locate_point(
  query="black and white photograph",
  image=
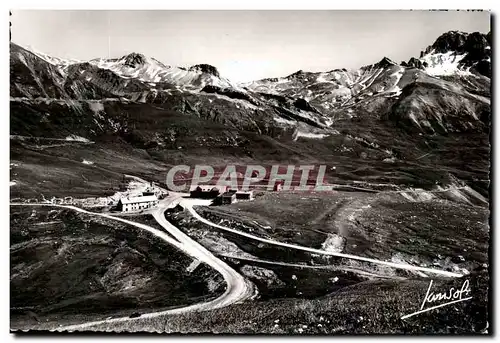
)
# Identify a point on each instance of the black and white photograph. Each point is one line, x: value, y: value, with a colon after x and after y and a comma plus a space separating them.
x: 250, y: 172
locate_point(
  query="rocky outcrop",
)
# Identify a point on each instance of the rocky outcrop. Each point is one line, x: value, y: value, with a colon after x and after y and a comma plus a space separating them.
x: 449, y: 41
x: 134, y: 59
x: 415, y: 63
x: 205, y: 68
x: 475, y: 46
x: 304, y: 105
x: 385, y: 62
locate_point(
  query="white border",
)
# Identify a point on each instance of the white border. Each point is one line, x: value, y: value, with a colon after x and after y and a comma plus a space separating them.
x: 255, y: 4
x: 191, y: 4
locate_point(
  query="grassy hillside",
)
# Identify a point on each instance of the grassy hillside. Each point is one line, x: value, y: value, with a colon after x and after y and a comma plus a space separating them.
x: 70, y: 265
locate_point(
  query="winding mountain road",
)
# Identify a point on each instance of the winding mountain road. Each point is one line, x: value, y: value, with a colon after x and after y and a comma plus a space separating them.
x: 195, y: 214
x: 238, y: 288
x: 320, y: 267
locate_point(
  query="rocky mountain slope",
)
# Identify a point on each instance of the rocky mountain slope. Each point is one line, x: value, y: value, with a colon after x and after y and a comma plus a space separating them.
x: 428, y: 117
x: 316, y: 99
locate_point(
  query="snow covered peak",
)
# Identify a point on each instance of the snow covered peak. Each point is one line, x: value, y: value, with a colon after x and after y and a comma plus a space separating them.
x: 147, y: 69
x: 50, y: 59
x: 386, y: 62
x: 132, y: 66
x: 458, y: 53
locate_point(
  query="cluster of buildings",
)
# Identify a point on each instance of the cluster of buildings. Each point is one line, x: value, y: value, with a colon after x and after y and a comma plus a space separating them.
x: 232, y: 196
x: 223, y: 195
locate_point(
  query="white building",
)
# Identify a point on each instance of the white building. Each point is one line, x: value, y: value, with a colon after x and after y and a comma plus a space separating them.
x: 137, y: 203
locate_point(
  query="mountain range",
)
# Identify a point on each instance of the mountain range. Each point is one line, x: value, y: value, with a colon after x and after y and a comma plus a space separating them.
x: 416, y: 123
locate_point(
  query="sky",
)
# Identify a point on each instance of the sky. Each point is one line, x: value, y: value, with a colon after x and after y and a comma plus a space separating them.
x: 243, y: 45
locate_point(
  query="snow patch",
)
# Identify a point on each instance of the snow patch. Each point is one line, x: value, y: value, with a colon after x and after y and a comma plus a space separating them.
x: 284, y: 121
x: 321, y: 78
x: 77, y: 139
x: 417, y: 195
x: 311, y: 135
x: 444, y: 64
x: 96, y: 106
x: 414, y: 119
x: 22, y: 59
x: 237, y: 102
x: 333, y: 243
x: 396, y: 89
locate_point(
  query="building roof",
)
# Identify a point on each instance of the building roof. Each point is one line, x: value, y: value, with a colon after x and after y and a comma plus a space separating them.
x: 135, y: 200
x: 244, y: 192
x: 228, y: 194
x: 207, y: 188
